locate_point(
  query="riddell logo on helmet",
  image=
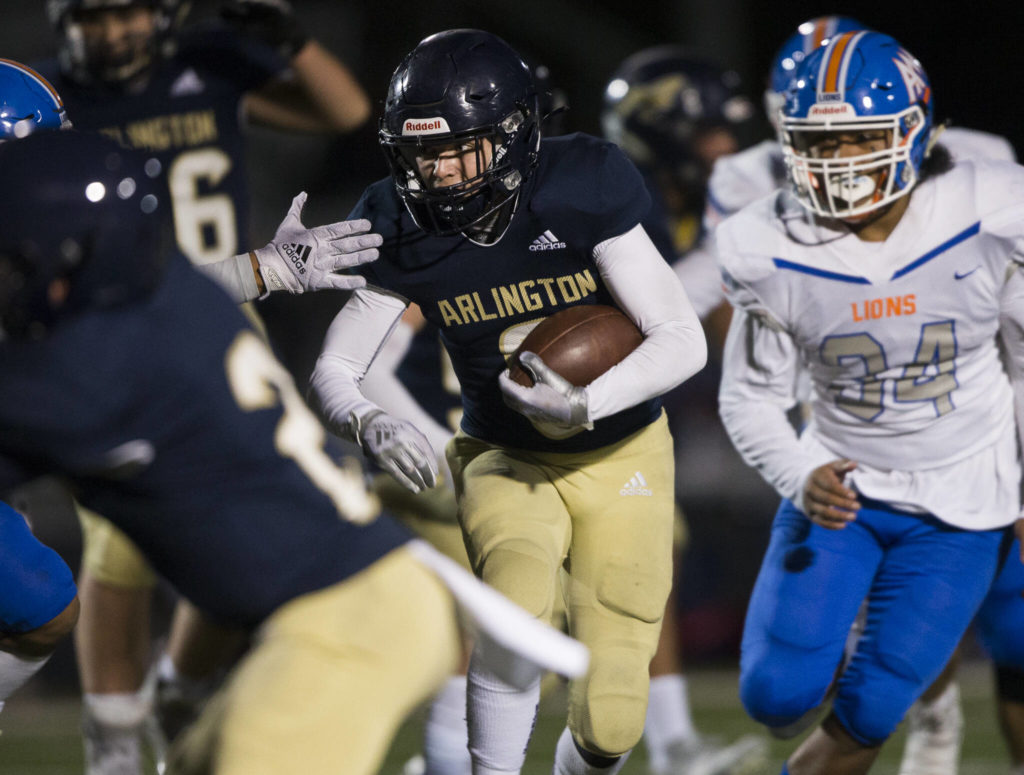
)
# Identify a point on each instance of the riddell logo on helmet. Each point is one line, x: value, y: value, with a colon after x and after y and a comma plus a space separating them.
x: 425, y: 126
x: 844, y: 109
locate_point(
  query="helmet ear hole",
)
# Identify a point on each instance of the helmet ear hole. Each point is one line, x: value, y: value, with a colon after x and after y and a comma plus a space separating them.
x: 458, y: 88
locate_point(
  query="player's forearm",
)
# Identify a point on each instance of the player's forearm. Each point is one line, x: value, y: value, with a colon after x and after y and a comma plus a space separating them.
x: 674, y: 347
x: 757, y: 388
x: 330, y: 88
x: 350, y: 346
x: 238, y: 276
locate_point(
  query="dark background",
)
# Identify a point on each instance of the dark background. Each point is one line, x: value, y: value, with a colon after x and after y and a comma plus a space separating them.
x: 972, y: 53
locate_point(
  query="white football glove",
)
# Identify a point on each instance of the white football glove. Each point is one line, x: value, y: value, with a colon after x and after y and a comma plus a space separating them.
x: 300, y: 259
x: 399, y: 448
x: 551, y: 399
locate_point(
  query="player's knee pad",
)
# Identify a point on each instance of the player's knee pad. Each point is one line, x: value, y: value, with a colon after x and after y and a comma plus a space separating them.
x: 779, y: 684
x: 609, y: 706
x: 634, y: 592
x: 36, y: 583
x: 523, y: 573
x: 874, y: 696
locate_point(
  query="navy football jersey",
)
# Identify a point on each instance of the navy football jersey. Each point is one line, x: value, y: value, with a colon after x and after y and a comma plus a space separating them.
x: 166, y: 417
x: 484, y: 299
x: 187, y: 117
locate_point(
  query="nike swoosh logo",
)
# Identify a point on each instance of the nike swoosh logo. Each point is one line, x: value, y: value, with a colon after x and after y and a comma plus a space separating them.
x: 959, y: 276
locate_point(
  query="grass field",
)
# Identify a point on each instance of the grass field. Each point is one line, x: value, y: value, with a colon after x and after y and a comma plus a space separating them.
x: 40, y: 737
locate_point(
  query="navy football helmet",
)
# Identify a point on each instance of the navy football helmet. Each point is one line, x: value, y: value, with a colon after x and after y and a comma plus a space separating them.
x: 87, y: 64
x: 86, y: 229
x: 468, y: 92
x: 859, y: 82
x: 660, y: 100
x: 810, y: 35
x: 27, y: 102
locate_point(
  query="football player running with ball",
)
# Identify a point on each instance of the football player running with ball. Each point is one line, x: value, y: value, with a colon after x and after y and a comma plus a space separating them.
x: 891, y: 275
x: 489, y: 229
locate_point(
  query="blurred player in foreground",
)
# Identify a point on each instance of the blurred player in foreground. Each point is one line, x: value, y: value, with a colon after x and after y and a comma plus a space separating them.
x: 890, y: 275
x: 143, y: 385
x: 674, y: 114
x: 936, y: 720
x: 131, y: 70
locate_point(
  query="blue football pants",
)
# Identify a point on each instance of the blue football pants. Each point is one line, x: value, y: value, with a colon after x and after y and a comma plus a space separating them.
x: 923, y: 581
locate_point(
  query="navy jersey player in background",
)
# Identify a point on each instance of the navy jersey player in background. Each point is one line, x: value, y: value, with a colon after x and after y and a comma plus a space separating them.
x: 901, y: 488
x: 674, y: 113
x: 143, y: 385
x: 129, y: 69
x: 488, y: 229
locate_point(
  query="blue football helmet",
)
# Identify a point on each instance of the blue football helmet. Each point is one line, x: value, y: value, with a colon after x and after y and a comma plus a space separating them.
x: 659, y: 101
x: 89, y: 220
x: 27, y: 102
x: 466, y: 90
x: 810, y: 35
x: 86, y: 64
x: 859, y: 82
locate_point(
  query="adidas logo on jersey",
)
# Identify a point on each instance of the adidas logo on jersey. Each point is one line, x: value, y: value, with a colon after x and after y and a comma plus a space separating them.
x: 636, y: 485
x: 187, y: 83
x: 546, y: 241
x: 297, y: 254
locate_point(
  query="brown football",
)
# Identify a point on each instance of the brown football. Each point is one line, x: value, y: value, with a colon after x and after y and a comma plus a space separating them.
x: 580, y: 343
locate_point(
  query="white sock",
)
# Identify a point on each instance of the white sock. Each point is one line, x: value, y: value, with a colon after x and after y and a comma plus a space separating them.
x: 569, y: 760
x: 15, y: 670
x: 122, y: 710
x: 500, y: 720
x: 668, y: 718
x: 445, y: 737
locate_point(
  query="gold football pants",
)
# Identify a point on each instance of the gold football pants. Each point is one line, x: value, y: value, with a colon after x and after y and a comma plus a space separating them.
x: 331, y: 677
x: 606, y: 518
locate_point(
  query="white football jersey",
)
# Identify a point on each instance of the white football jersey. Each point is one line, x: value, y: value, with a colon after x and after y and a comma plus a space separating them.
x: 898, y: 337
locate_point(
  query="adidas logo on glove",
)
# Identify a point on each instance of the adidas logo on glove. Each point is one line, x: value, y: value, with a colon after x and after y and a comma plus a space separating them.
x: 297, y: 254
x: 636, y: 485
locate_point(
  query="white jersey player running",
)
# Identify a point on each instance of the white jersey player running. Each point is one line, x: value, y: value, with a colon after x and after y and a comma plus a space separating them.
x: 935, y: 724
x: 901, y: 486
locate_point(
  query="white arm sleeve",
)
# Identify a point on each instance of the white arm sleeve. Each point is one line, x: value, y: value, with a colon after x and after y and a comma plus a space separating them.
x: 381, y: 385
x: 235, y: 276
x: 698, y: 271
x: 352, y: 342
x: 760, y: 366
x: 674, y: 347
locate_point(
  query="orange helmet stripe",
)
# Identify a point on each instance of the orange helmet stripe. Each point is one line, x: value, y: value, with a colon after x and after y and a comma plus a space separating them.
x: 837, y: 51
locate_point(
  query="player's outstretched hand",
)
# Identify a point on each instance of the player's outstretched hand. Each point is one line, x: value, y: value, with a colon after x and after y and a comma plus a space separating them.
x: 399, y: 448
x: 552, y: 397
x: 300, y: 259
x: 827, y: 501
x: 271, y: 22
